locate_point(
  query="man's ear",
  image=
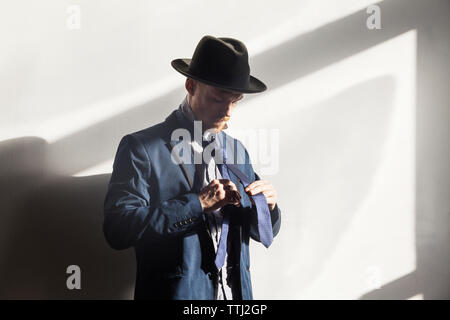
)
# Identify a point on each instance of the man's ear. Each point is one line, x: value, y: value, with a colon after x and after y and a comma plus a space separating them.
x: 190, y: 85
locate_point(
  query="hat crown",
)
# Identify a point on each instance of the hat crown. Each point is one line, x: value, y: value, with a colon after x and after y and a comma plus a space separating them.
x: 221, y: 60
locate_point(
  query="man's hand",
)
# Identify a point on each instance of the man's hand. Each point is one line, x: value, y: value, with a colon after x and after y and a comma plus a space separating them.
x: 266, y: 188
x: 218, y: 193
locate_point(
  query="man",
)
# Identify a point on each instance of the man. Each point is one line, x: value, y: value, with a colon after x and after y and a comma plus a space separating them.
x: 190, y: 221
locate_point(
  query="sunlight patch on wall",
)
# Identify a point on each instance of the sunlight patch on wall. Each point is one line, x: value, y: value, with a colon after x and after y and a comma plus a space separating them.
x: 101, y: 168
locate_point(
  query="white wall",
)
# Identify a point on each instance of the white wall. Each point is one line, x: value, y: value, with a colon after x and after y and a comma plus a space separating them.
x: 362, y: 118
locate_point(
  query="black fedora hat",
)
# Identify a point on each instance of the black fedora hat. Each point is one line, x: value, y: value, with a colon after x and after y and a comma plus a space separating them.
x: 222, y: 63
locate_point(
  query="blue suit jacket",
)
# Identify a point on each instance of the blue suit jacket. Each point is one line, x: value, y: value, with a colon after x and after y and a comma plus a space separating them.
x: 150, y: 205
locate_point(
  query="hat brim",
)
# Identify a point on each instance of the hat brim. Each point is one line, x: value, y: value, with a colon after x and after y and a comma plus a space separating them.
x: 254, y: 85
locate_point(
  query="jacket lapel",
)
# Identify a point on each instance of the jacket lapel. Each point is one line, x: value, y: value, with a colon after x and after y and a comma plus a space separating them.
x: 188, y: 169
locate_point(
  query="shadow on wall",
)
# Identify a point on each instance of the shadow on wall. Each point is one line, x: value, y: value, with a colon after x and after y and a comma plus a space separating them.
x: 49, y: 222
x: 400, y: 289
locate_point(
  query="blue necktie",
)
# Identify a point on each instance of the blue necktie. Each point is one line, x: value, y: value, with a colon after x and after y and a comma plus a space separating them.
x: 263, y: 213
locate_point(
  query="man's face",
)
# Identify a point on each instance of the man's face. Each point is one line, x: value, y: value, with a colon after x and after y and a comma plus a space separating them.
x: 212, y: 105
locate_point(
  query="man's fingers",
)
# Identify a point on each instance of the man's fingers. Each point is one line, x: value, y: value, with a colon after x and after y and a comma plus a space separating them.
x: 230, y: 188
x: 255, y: 184
x: 269, y: 193
x: 218, y: 193
x: 221, y: 194
x: 224, y: 190
x: 234, y: 197
x: 234, y: 194
x: 227, y: 182
x: 258, y: 189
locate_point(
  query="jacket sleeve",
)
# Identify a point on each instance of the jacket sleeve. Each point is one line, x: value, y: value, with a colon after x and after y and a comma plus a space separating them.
x: 129, y: 213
